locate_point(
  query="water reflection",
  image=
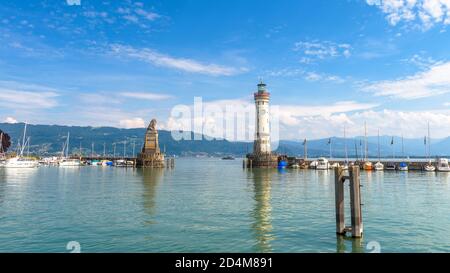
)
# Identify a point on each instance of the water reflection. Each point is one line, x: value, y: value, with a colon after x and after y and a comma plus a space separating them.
x: 150, y: 180
x: 17, y: 175
x: 343, y: 241
x: 262, y: 212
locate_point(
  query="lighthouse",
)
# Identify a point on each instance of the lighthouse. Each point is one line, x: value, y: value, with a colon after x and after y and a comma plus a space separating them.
x: 262, y: 156
x: 262, y: 133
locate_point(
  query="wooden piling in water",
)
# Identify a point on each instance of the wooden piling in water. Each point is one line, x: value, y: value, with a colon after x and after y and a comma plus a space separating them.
x: 339, y: 199
x: 355, y: 201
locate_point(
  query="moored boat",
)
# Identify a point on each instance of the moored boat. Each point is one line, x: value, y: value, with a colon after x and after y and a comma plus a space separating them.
x: 429, y: 167
x: 379, y: 166
x: 403, y: 166
x: 322, y: 164
x: 443, y: 165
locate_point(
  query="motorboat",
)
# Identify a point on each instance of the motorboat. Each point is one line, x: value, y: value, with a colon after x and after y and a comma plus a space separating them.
x: 391, y: 166
x: 379, y: 166
x: 403, y: 166
x: 67, y: 162
x: 442, y: 165
x: 322, y: 164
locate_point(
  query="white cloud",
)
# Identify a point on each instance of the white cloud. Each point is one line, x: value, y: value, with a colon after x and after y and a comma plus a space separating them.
x: 187, y: 65
x: 307, y: 75
x: 421, y: 61
x: 291, y: 117
x: 145, y: 96
x: 432, y: 82
x: 132, y: 123
x: 321, y: 50
x: 10, y: 120
x: 426, y: 12
x: 412, y: 124
x: 15, y: 95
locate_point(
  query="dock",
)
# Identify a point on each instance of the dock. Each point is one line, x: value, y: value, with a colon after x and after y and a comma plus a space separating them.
x: 413, y: 165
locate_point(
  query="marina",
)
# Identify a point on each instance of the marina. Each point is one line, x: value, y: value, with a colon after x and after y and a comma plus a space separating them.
x: 178, y: 210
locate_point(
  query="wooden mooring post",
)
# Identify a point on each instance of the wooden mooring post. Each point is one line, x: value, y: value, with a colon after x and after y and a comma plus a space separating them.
x: 356, y: 227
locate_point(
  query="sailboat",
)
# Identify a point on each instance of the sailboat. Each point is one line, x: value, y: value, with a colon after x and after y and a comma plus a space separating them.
x: 20, y: 161
x: 345, y: 166
x: 428, y: 167
x: 403, y: 166
x: 66, y: 161
x: 367, y: 164
x: 379, y: 166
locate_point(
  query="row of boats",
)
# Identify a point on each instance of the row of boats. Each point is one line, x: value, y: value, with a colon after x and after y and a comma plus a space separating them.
x: 21, y: 161
x: 26, y: 162
x: 323, y: 164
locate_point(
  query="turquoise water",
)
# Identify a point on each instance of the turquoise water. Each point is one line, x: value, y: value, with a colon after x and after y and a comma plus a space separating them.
x: 210, y: 205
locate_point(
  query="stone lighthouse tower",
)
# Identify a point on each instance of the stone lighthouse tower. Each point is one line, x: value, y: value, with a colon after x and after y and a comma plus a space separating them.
x: 262, y: 134
x: 262, y: 155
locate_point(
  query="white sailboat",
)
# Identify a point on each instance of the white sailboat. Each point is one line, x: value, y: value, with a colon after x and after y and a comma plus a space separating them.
x: 379, y: 166
x: 429, y: 167
x: 345, y: 165
x: 20, y: 161
x: 66, y: 161
x: 367, y: 164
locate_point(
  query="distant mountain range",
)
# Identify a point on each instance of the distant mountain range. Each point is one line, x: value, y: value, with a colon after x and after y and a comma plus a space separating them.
x: 49, y: 139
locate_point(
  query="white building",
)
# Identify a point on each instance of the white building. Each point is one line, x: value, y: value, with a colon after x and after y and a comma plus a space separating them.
x: 262, y: 136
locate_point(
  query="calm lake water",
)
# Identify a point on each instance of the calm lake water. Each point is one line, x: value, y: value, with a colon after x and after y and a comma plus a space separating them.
x: 210, y: 205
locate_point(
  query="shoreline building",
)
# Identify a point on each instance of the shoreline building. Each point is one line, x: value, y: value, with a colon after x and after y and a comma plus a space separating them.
x: 150, y: 155
x: 262, y: 155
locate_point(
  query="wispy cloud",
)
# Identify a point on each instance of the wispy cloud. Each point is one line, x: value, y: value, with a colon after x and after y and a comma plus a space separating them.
x: 183, y: 64
x: 321, y: 50
x: 426, y: 12
x: 132, y: 123
x: 306, y: 75
x: 15, y: 95
x: 146, y: 95
x: 432, y: 82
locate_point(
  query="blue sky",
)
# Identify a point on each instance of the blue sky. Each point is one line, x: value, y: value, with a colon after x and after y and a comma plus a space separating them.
x: 326, y: 63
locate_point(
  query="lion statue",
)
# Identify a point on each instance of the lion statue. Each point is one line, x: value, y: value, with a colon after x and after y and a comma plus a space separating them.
x: 152, y: 125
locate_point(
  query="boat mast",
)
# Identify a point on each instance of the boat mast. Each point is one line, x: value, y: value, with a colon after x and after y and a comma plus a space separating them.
x: 356, y: 150
x: 23, y: 140
x: 429, y: 142
x: 379, y: 154
x: 104, y: 149
x: 28, y: 146
x: 305, y: 149
x: 345, y: 146
x: 329, y: 143
x: 365, y: 143
x: 67, y: 149
x: 403, y: 148
x: 124, y: 148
